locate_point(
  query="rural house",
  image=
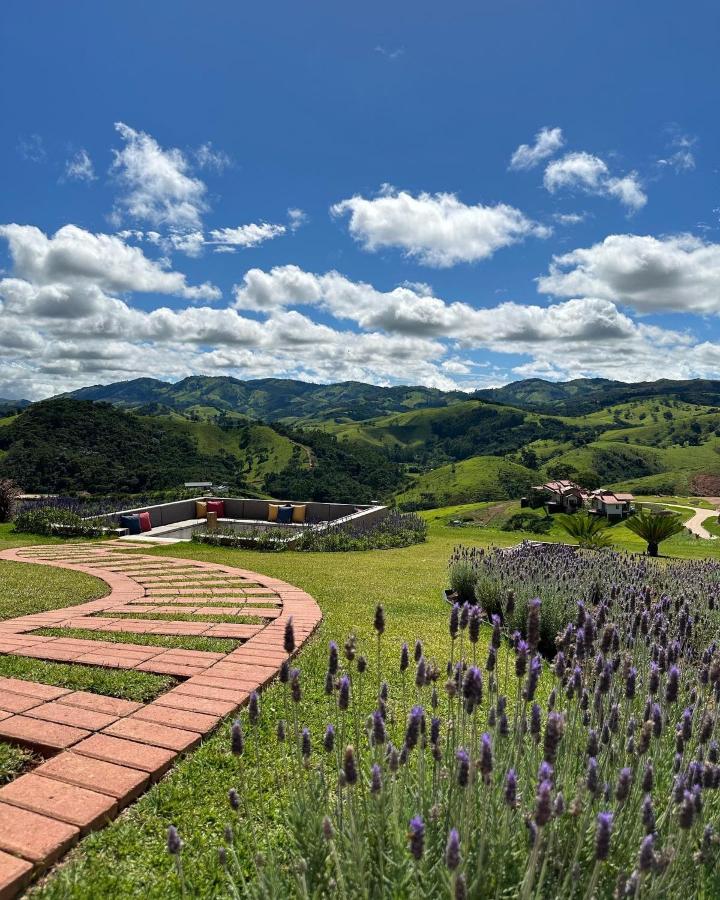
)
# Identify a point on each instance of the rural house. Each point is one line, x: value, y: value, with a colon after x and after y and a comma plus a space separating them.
x: 611, y: 504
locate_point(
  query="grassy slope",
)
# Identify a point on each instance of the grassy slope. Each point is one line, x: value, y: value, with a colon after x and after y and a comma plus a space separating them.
x: 477, y: 478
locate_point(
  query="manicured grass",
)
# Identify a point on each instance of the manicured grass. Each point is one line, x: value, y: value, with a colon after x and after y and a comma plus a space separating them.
x: 124, y: 683
x: 27, y: 588
x: 12, y: 761
x: 179, y: 642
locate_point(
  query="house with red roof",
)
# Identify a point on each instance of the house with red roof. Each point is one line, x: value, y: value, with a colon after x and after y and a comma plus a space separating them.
x: 611, y: 504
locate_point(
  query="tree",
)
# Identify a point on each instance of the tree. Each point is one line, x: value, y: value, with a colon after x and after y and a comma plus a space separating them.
x: 654, y: 528
x: 590, y: 532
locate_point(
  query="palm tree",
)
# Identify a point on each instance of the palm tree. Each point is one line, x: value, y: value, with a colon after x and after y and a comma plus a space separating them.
x: 590, y: 533
x: 654, y: 528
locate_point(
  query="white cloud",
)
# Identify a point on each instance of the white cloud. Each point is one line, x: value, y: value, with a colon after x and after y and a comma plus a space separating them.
x: 246, y: 235
x: 437, y: 229
x: 297, y: 218
x: 678, y: 273
x: 681, y: 157
x: 584, y: 172
x: 569, y: 218
x: 547, y: 142
x: 209, y: 158
x: 80, y: 167
x: 76, y: 260
x: 157, y: 183
x: 32, y: 148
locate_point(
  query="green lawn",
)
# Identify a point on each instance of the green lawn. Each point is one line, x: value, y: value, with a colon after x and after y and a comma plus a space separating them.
x: 129, y: 858
x: 177, y: 642
x: 27, y: 588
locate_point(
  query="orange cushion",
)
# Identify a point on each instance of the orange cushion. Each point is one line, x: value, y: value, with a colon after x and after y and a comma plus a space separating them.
x: 145, y: 523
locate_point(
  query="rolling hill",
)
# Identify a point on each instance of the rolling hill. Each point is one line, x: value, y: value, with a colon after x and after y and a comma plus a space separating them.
x: 267, y: 399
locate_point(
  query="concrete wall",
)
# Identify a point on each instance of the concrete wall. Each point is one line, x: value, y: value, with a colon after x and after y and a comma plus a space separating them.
x: 250, y: 509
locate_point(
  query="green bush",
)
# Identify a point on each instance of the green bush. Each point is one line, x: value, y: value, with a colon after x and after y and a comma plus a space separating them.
x: 528, y: 521
x: 45, y: 519
x: 462, y: 580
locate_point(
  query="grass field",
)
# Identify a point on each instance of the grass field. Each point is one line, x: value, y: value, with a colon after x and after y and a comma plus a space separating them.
x: 129, y: 858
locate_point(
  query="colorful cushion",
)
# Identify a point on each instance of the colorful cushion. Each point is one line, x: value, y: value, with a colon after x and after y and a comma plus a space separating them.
x: 273, y: 512
x: 298, y: 512
x: 131, y: 522
x: 284, y: 514
x: 145, y: 523
x: 217, y: 506
x: 200, y: 509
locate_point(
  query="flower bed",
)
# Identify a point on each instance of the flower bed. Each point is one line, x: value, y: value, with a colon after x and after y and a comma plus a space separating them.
x: 499, y: 774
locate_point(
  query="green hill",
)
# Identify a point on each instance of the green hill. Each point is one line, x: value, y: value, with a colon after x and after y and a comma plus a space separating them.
x: 472, y: 480
x: 268, y: 399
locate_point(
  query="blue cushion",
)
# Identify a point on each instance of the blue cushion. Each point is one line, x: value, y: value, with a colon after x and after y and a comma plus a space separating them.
x: 284, y: 515
x: 132, y: 523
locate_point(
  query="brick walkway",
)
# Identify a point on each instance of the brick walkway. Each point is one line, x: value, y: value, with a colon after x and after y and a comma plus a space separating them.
x: 101, y: 753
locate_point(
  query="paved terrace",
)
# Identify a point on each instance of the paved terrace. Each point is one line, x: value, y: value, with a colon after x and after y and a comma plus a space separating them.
x: 101, y: 753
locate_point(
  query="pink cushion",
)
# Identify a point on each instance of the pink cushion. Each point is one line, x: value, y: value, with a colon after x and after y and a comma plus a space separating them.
x: 145, y: 523
x: 217, y: 506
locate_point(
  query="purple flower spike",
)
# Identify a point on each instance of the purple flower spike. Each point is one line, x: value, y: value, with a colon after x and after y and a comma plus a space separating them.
x: 486, y: 757
x: 602, y: 835
x: 379, y: 620
x: 511, y: 788
x: 416, y: 837
x: 404, y: 658
x: 305, y: 743
x: 463, y: 760
x: 454, y: 621
x: 673, y: 682
x: 237, y: 739
x: 333, y: 658
x: 329, y: 739
x: 289, y: 636
x: 452, y: 850
x: 543, y: 806
x: 350, y: 766
x: 174, y: 844
x: 375, y: 779
x: 378, y: 728
x: 344, y: 693
x: 254, y: 708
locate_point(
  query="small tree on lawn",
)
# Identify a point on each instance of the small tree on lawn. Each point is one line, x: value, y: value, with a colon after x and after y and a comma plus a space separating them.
x: 654, y: 528
x: 590, y: 533
x: 9, y: 493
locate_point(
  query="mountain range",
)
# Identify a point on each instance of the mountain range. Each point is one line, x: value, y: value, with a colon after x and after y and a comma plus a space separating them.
x: 420, y: 447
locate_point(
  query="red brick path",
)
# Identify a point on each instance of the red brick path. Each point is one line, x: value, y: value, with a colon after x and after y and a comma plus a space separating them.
x: 101, y: 753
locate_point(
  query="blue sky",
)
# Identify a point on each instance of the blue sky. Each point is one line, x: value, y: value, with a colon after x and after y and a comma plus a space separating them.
x: 458, y: 195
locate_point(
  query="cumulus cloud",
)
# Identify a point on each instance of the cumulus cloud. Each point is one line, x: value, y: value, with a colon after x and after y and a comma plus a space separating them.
x: 437, y: 229
x: 73, y: 260
x: 678, y: 273
x: 581, y: 171
x: 547, y: 142
x: 80, y: 167
x: 157, y: 183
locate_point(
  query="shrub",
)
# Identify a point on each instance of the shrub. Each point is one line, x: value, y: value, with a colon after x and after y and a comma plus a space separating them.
x: 528, y: 521
x: 9, y: 494
x: 597, y: 776
x: 462, y: 580
x: 46, y: 519
x: 395, y: 530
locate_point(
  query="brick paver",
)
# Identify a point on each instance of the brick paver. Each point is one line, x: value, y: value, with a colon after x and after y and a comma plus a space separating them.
x: 103, y: 752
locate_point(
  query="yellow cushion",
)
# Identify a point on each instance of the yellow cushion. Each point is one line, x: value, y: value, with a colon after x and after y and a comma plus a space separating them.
x: 298, y: 514
x: 200, y: 509
x: 272, y: 511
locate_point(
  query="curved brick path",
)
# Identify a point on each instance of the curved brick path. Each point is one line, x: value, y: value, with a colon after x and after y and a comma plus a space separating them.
x: 101, y: 753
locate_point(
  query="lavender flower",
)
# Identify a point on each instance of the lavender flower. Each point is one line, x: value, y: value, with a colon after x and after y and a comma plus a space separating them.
x: 452, y: 850
x: 454, y: 620
x: 463, y: 774
x: 237, y: 739
x: 510, y: 794
x: 672, y: 685
x: 646, y: 857
x: 305, y: 744
x: 404, y: 658
x: 416, y: 837
x: 416, y: 720
x: 379, y: 620
x: 533, y: 624
x: 648, y: 815
x: 543, y: 805
x: 254, y: 708
x: 349, y: 766
x: 344, y: 693
x: 289, y: 636
x: 602, y: 835
x: 329, y: 739
x: 472, y: 688
x: 378, y: 729
x: 486, y: 757
x: 174, y: 844
x: 474, y: 625
x: 333, y: 661
x: 375, y: 779
x: 622, y: 791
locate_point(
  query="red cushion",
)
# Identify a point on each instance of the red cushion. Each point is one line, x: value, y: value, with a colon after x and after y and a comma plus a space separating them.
x: 217, y: 506
x: 145, y: 523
